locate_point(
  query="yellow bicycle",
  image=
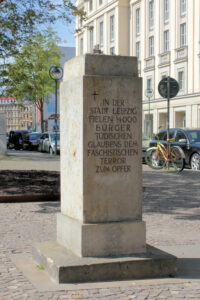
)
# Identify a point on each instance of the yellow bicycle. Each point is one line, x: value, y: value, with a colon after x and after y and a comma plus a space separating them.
x: 160, y: 156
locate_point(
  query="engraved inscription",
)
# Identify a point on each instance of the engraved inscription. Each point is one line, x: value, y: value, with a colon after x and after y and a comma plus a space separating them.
x: 114, y: 142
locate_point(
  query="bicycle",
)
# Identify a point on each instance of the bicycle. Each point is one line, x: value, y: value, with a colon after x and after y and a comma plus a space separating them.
x: 160, y: 156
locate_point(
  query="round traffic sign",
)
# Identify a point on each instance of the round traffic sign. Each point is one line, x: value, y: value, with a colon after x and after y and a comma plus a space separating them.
x: 173, y: 87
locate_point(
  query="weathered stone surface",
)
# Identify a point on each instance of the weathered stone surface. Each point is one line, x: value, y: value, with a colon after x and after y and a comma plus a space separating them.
x: 65, y: 267
x: 99, y: 239
x: 100, y: 158
x: 3, y: 143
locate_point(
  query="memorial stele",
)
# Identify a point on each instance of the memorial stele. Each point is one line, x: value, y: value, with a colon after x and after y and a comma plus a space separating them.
x: 100, y: 225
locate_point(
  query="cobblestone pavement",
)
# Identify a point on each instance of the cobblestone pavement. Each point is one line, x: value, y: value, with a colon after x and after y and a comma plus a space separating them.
x: 172, y: 214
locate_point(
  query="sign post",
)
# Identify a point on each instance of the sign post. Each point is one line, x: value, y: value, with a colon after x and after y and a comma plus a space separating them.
x: 149, y: 94
x: 168, y: 88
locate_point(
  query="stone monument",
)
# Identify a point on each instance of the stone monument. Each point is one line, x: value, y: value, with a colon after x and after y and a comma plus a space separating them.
x: 3, y: 142
x: 100, y: 231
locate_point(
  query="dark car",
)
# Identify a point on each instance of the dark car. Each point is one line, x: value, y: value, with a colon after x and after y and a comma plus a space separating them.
x: 31, y: 140
x: 15, y: 139
x: 187, y: 139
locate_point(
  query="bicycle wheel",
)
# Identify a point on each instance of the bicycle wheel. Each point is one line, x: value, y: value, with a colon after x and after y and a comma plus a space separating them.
x: 154, y: 158
x: 177, y: 158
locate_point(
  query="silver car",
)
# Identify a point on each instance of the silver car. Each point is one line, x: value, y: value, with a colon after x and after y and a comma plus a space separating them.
x: 47, y: 142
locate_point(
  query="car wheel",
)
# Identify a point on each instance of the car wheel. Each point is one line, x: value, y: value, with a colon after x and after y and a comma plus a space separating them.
x: 51, y: 151
x: 195, y: 162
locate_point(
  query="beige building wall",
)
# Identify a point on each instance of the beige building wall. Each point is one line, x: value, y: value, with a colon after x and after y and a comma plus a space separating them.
x: 178, y: 58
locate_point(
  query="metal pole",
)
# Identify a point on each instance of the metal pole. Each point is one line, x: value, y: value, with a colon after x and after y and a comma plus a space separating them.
x: 149, y: 132
x: 56, y: 83
x: 168, y: 111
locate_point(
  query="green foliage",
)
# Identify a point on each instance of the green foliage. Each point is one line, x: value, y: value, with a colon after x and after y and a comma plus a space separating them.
x: 40, y: 267
x: 28, y: 77
x: 20, y: 20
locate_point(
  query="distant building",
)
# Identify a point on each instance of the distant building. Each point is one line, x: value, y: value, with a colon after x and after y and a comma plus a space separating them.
x: 49, y: 105
x: 165, y: 37
x: 18, y: 115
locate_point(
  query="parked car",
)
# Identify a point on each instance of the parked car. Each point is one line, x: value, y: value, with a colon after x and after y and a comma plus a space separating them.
x: 187, y: 139
x: 15, y: 139
x: 31, y: 140
x: 47, y: 142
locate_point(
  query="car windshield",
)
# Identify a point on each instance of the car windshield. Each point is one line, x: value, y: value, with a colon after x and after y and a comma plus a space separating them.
x: 53, y: 136
x: 194, y: 136
x: 35, y: 136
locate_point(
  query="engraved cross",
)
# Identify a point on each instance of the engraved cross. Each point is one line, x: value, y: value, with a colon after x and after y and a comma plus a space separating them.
x: 95, y: 94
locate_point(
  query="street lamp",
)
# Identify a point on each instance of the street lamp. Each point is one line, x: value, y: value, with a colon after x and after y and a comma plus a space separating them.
x: 56, y: 73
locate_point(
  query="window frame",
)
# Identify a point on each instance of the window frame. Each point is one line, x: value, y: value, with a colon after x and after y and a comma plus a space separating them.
x: 138, y: 50
x: 183, y: 4
x: 166, y: 40
x: 101, y: 33
x: 183, y: 34
x: 181, y: 81
x: 137, y: 19
x: 151, y: 14
x: 151, y: 46
x: 166, y: 11
x: 112, y: 28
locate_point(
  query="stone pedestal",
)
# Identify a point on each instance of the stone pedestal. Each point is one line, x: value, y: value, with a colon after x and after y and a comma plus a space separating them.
x: 3, y: 142
x: 101, y: 168
x: 101, y: 183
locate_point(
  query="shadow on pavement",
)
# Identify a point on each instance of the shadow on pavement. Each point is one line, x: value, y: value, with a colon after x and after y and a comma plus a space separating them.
x: 172, y: 193
x: 48, y: 208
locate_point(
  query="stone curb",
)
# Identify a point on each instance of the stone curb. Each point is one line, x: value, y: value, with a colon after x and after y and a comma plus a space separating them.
x: 29, y: 198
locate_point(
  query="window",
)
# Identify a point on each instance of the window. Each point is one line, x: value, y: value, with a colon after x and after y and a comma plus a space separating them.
x: 137, y: 21
x: 138, y: 50
x: 166, y: 11
x: 151, y: 14
x: 183, y: 35
x: 166, y: 40
x: 112, y: 31
x: 151, y: 46
x: 149, y: 84
x: 181, y: 80
x: 81, y: 46
x: 91, y: 40
x: 180, y: 135
x: 90, y: 5
x: 101, y: 33
x: 183, y: 7
x: 112, y: 50
x: 100, y: 2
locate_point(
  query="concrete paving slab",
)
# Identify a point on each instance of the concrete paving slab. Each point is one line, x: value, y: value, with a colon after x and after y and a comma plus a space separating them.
x: 65, y: 267
x: 188, y: 259
x: 42, y: 282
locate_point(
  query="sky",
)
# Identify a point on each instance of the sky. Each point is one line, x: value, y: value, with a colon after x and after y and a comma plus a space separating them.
x: 66, y: 33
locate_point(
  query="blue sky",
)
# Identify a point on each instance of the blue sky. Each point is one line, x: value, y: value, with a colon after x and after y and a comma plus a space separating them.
x: 66, y: 32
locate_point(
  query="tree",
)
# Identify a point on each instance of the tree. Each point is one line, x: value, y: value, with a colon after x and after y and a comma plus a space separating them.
x: 28, y: 77
x: 20, y: 20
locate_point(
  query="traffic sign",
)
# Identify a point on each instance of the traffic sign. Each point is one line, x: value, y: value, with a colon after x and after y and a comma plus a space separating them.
x: 148, y: 93
x: 173, y: 87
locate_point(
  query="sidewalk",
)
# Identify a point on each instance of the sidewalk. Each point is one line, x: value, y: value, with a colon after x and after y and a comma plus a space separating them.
x: 171, y: 209
x: 23, y: 160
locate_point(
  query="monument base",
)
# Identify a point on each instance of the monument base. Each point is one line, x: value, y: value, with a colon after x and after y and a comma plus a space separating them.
x: 101, y: 239
x: 65, y: 267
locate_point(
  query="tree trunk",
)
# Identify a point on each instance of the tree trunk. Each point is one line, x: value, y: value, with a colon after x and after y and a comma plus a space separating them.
x: 42, y: 114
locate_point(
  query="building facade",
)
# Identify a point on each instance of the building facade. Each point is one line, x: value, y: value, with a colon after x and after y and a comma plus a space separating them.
x: 18, y: 115
x: 165, y: 36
